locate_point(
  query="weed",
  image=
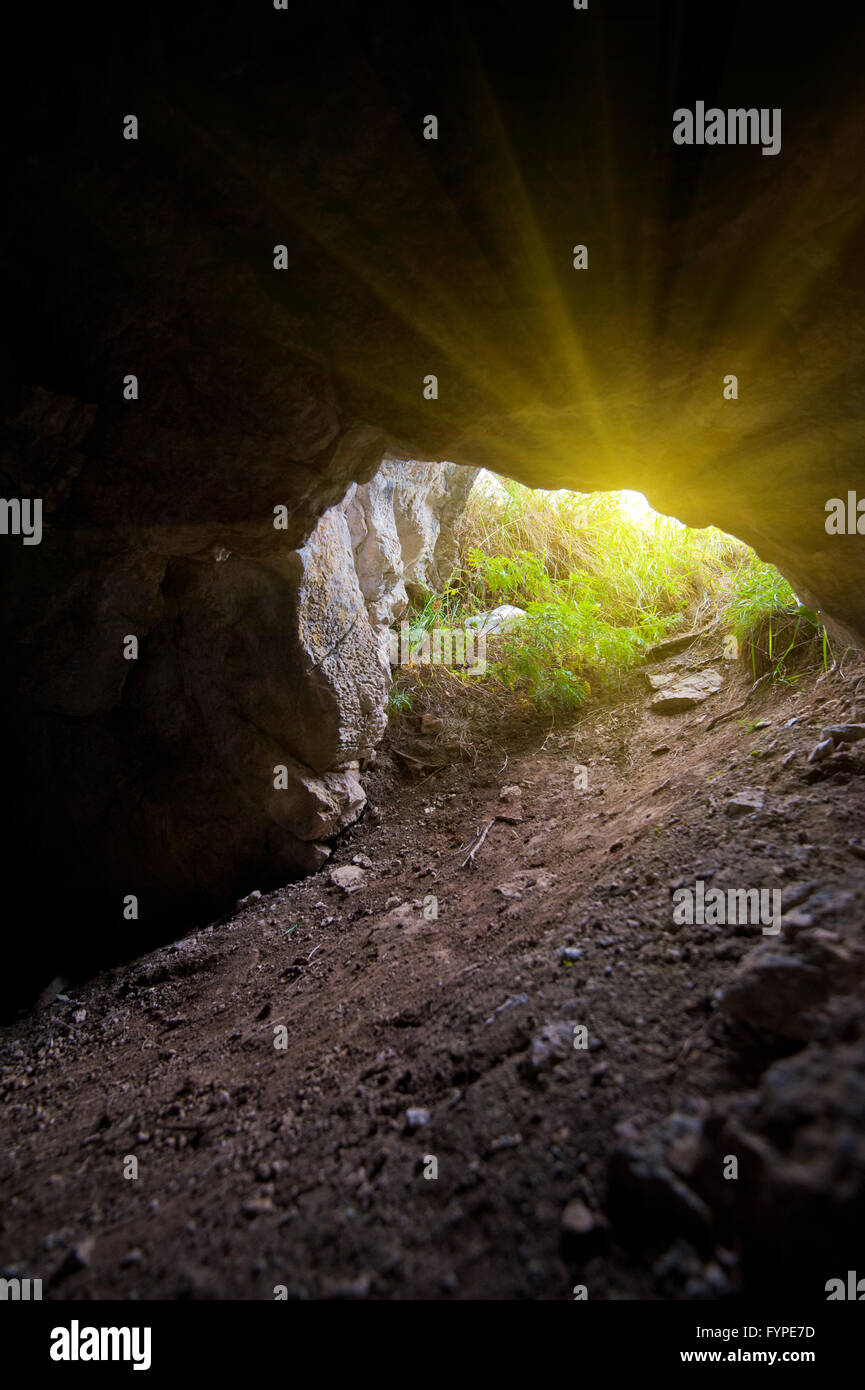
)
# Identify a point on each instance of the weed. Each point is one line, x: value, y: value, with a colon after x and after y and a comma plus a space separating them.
x: 398, y: 701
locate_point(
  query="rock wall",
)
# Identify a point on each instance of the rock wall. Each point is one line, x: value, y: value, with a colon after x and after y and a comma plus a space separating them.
x: 226, y: 754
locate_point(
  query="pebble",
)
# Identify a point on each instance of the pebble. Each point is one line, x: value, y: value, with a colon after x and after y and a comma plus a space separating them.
x: 821, y: 751
x: 505, y: 1141
x: 417, y: 1117
x: 250, y: 898
x: 257, y: 1206
x: 347, y: 877
x: 580, y: 1226
x: 552, y: 1044
x: 745, y: 802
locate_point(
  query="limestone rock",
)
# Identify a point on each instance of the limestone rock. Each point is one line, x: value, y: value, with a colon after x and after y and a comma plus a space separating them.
x: 680, y: 692
x: 499, y: 620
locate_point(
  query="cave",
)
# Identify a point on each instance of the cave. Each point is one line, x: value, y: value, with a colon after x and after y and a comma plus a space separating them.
x: 278, y: 285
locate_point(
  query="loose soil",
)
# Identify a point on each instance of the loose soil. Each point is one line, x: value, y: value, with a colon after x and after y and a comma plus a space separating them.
x: 262, y: 1166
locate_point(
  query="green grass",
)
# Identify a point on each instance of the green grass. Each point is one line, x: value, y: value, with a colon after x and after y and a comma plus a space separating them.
x: 600, y: 587
x: 774, y: 628
x: 398, y: 701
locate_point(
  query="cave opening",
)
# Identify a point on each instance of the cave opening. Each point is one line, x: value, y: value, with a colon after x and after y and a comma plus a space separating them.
x: 569, y: 912
x: 576, y: 588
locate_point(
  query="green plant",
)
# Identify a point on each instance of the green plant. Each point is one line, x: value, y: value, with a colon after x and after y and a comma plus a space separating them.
x: 398, y: 701
x: 550, y: 654
x: 767, y: 618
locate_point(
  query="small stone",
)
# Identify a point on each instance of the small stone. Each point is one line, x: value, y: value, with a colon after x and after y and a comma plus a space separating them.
x: 348, y: 877
x: 570, y: 953
x: 250, y: 898
x: 512, y: 793
x: 417, y: 1117
x: 363, y: 861
x: 580, y: 1226
x: 509, y: 890
x: 257, y: 1206
x: 745, y: 802
x: 505, y: 1141
x: 552, y: 1044
x: 821, y: 751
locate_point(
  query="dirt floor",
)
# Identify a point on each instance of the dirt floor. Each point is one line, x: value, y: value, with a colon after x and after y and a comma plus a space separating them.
x: 432, y: 1127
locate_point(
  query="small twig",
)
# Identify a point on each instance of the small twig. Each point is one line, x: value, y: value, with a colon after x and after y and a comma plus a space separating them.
x: 479, y: 839
x: 736, y: 708
x: 435, y: 772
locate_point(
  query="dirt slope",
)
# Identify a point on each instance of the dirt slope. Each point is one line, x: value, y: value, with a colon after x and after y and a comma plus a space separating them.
x: 557, y: 1165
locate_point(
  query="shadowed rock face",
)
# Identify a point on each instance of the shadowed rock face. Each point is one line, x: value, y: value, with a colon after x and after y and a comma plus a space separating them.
x: 228, y: 751
x: 406, y: 258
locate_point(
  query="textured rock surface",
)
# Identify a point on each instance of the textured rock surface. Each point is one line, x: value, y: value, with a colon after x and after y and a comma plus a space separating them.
x: 228, y: 752
x: 402, y: 530
x: 681, y: 691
